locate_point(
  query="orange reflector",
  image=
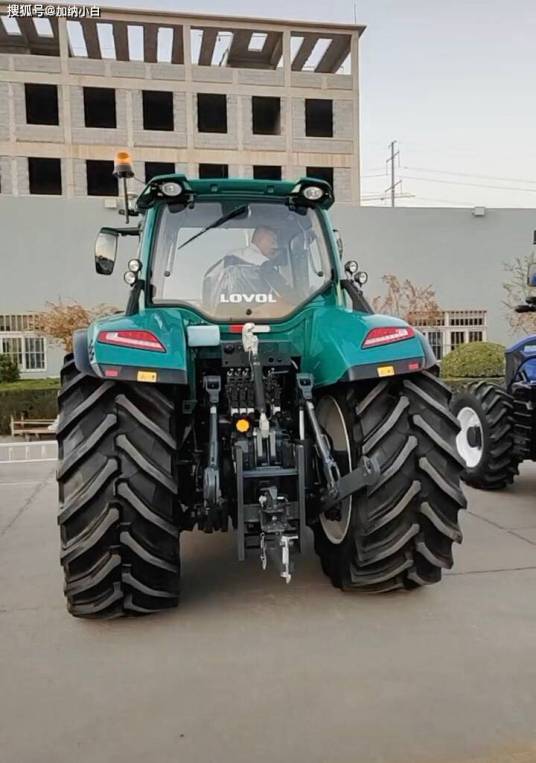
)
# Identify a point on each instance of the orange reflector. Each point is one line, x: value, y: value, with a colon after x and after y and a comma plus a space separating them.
x: 242, y: 425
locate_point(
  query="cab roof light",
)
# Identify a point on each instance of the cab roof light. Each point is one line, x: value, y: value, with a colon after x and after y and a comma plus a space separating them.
x: 387, y: 335
x: 312, y: 191
x: 173, y: 188
x: 136, y: 340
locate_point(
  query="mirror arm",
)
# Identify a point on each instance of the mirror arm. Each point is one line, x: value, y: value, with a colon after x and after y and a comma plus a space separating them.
x: 359, y: 302
x: 133, y: 304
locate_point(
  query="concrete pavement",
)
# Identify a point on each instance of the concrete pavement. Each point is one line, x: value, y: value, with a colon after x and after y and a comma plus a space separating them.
x: 250, y: 670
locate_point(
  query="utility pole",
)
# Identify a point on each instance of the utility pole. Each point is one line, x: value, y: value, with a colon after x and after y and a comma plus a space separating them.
x: 394, y: 152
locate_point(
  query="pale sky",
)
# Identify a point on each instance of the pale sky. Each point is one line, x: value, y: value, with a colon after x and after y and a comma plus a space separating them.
x: 452, y: 80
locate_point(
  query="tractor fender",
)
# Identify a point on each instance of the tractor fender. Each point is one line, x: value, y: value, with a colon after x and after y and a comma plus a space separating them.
x: 431, y: 363
x: 521, y: 361
x: 81, y: 353
x: 126, y: 363
x: 336, y: 352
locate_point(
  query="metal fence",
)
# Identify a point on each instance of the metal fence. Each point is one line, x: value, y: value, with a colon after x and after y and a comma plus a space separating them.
x: 451, y: 328
x: 28, y: 452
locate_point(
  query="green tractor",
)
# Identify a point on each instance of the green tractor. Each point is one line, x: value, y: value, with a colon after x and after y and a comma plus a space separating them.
x: 248, y: 383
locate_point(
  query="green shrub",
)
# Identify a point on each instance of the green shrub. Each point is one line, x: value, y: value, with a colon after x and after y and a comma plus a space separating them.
x: 474, y: 360
x: 9, y: 370
x: 35, y: 399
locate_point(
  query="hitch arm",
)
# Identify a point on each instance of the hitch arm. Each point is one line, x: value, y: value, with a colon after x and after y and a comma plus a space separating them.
x: 337, y: 488
x: 329, y: 465
x: 364, y: 475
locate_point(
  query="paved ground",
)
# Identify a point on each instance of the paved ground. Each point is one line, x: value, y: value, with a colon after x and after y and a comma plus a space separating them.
x: 249, y: 670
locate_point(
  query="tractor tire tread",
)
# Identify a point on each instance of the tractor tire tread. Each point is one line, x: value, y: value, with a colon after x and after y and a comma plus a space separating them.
x: 402, y: 528
x: 119, y: 515
x: 493, y: 404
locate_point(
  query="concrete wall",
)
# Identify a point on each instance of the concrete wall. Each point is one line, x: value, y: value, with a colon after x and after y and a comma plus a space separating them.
x: 460, y: 255
x: 46, y: 253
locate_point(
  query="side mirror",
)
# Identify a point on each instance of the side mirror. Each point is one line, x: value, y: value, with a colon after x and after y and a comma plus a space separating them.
x: 531, y: 275
x: 339, y: 242
x: 106, y: 251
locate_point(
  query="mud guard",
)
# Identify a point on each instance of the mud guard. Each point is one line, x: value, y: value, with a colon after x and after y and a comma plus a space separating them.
x: 81, y: 353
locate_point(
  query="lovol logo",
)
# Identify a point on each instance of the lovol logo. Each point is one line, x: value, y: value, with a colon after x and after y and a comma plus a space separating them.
x: 260, y: 298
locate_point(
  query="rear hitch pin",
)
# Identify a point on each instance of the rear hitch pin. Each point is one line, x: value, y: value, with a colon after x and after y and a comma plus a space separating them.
x: 264, y: 558
x: 286, y: 542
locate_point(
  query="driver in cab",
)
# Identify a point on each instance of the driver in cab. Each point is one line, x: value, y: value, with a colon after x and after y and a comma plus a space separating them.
x: 263, y: 251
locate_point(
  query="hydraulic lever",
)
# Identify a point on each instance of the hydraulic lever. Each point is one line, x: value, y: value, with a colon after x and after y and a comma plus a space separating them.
x: 211, y: 474
x: 250, y: 343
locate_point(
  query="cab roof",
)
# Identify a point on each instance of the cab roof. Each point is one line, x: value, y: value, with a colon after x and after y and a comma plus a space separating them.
x: 208, y: 187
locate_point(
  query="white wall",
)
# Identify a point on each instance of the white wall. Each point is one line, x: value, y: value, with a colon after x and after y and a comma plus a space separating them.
x: 46, y: 253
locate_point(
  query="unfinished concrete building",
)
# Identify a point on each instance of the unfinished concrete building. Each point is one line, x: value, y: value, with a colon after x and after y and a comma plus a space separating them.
x: 209, y: 96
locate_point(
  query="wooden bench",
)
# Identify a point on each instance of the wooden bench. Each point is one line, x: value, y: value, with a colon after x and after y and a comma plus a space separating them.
x: 29, y: 428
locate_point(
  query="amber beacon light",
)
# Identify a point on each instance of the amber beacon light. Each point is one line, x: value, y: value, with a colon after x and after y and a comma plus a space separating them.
x: 123, y: 170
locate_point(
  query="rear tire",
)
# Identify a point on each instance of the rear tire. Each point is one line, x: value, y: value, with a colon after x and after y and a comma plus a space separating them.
x: 118, y: 514
x: 399, y: 532
x: 491, y: 463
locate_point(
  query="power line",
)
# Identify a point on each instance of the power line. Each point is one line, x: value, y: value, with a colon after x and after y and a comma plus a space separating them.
x: 473, y: 185
x: 470, y: 174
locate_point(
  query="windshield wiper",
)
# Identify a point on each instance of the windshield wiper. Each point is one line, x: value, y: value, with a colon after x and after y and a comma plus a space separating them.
x: 229, y: 216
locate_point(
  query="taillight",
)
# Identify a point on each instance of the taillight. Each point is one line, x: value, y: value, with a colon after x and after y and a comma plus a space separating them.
x: 387, y: 335
x: 138, y: 340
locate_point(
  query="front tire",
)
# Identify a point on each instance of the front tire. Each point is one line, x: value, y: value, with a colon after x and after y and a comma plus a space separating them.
x: 118, y: 512
x: 399, y: 532
x: 486, y: 438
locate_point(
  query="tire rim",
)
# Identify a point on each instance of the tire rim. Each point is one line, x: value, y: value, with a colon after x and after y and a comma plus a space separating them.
x: 331, y: 419
x: 471, y: 454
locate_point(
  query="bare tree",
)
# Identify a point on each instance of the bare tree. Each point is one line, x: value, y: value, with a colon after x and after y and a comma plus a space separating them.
x: 59, y: 320
x: 415, y: 304
x: 516, y: 291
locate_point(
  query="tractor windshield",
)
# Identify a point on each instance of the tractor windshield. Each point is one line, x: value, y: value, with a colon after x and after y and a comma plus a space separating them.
x: 238, y: 260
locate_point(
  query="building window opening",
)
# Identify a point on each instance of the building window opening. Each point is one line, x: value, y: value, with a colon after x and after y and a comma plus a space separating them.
x: 44, y: 176
x: 211, y: 112
x: 157, y: 110
x: 41, y: 104
x: 322, y: 173
x: 266, y: 115
x: 99, y: 107
x: 21, y: 345
x: 152, y: 169
x: 100, y: 179
x: 318, y: 118
x: 266, y: 172
x: 213, y: 171
x: 34, y: 353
